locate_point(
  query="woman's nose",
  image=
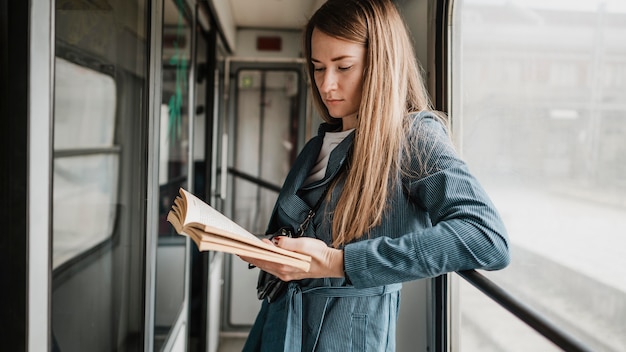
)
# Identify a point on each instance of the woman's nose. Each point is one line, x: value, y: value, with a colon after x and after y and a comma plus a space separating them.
x: 329, y: 82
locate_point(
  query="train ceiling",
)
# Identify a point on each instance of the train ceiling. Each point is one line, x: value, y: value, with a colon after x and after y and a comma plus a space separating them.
x: 278, y: 14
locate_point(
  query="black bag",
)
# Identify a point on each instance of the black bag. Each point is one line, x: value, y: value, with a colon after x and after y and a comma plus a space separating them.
x: 269, y: 286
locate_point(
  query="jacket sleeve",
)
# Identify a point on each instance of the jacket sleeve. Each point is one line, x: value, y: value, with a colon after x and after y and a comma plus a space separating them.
x: 466, y: 232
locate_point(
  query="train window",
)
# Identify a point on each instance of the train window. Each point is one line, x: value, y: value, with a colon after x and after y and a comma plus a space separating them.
x: 538, y: 112
x: 86, y: 162
x: 99, y: 163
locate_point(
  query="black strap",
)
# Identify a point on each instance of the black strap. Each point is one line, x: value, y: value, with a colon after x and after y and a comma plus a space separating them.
x: 309, y: 217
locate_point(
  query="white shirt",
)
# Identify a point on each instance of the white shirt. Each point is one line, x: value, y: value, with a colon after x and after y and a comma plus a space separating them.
x: 331, y: 140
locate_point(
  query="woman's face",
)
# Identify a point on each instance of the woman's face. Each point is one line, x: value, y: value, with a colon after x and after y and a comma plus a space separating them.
x: 338, y: 66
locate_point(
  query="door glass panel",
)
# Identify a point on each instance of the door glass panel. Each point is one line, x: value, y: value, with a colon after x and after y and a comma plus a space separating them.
x: 266, y: 144
x: 174, y: 168
x: 538, y: 105
x: 267, y: 111
x: 98, y: 217
x: 203, y: 133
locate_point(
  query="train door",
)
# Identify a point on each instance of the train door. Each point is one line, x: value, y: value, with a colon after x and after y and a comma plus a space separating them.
x: 267, y: 119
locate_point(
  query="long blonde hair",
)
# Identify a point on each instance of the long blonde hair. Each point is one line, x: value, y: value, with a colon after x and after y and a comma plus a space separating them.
x: 392, y: 89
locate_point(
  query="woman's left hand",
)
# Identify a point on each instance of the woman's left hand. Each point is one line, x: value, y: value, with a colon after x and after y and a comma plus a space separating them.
x: 325, y: 261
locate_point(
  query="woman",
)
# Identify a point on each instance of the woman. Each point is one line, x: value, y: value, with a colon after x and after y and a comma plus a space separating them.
x: 393, y: 202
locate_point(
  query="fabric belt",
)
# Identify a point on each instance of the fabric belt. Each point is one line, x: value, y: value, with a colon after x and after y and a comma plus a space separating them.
x: 293, y: 334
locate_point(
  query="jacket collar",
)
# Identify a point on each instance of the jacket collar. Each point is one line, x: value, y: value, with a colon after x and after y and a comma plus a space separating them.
x: 291, y: 204
x: 337, y: 158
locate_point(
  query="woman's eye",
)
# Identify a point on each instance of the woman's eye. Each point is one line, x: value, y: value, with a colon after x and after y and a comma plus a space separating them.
x: 318, y: 69
x: 344, y: 68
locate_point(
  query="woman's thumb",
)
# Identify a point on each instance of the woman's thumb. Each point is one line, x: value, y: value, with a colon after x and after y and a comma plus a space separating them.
x: 288, y: 243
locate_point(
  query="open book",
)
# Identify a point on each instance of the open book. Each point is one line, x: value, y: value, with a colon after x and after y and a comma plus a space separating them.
x: 211, y: 230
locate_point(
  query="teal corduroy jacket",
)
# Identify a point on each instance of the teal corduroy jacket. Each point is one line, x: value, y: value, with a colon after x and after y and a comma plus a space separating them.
x: 439, y: 219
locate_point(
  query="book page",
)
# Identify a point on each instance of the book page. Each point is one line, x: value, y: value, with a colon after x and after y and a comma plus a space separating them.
x: 211, y: 230
x: 202, y: 213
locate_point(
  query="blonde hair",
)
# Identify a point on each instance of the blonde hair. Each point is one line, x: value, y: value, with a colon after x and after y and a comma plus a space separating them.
x: 392, y: 89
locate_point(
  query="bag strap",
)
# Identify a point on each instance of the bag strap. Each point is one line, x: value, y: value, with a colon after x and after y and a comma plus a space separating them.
x: 309, y: 217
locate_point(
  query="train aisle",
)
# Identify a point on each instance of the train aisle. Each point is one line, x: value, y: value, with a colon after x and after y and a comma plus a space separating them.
x: 231, y: 344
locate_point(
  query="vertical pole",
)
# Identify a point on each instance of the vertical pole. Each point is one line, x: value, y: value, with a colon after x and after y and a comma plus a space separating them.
x: 39, y: 189
x: 152, y: 189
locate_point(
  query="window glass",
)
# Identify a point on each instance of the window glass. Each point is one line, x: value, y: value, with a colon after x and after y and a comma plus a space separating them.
x: 267, y: 112
x: 99, y: 163
x: 268, y: 108
x: 538, y: 112
x: 84, y: 107
x: 488, y: 327
x: 86, y: 163
x: 86, y: 198
x: 174, y: 167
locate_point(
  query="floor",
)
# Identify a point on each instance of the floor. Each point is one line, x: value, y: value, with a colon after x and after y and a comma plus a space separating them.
x: 231, y: 344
